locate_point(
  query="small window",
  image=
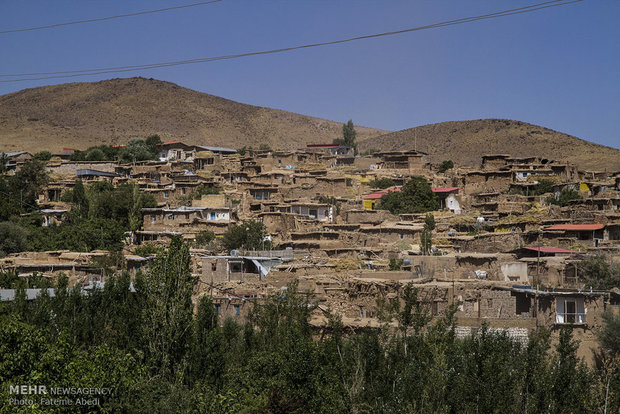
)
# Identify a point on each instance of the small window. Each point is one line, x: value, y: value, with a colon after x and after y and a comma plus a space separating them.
x: 182, y: 190
x: 213, y: 267
x: 210, y: 161
x: 213, y: 216
x: 153, y: 219
x: 170, y: 216
x: 218, y: 309
x: 237, y: 310
x: 166, y: 194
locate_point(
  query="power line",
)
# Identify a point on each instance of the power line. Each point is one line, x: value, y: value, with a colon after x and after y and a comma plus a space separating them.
x: 100, y: 19
x: 133, y: 68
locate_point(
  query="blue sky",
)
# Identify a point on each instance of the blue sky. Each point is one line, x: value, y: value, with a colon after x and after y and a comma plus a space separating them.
x: 558, y: 67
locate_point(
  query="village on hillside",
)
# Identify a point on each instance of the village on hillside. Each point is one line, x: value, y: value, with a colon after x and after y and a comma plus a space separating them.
x: 507, y: 241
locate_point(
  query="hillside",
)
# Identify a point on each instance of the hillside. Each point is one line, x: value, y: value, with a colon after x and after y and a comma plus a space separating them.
x: 465, y: 141
x: 79, y: 115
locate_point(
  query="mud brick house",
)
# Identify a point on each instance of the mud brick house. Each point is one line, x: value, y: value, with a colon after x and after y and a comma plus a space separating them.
x: 216, y: 269
x: 188, y: 221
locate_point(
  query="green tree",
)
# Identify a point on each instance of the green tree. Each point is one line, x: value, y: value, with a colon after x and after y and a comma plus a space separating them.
x: 204, y: 238
x: 13, y: 238
x: 167, y: 288
x: 348, y: 136
x: 43, y: 156
x: 446, y: 165
x: 249, y: 235
x: 564, y: 197
x: 599, y: 272
x: 416, y: 196
x: 382, y: 183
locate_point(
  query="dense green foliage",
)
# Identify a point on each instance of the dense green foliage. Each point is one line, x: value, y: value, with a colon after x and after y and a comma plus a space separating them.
x: 204, y: 238
x: 100, y: 214
x: 426, y: 241
x: 382, y: 183
x: 348, y: 136
x: 599, y: 272
x: 43, y: 156
x: 416, y: 196
x: 446, y: 165
x: 249, y: 235
x: 564, y: 197
x: 160, y: 356
x: 137, y: 149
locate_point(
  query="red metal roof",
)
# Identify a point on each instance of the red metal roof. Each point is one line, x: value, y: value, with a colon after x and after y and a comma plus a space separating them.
x: 550, y: 250
x: 378, y: 194
x: 577, y: 227
x: 172, y: 142
x: 70, y: 149
x: 444, y: 189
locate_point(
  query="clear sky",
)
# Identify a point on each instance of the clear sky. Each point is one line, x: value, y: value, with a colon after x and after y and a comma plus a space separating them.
x: 558, y: 67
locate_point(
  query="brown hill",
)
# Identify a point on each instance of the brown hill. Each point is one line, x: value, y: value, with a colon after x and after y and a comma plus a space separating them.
x: 465, y: 141
x: 79, y: 115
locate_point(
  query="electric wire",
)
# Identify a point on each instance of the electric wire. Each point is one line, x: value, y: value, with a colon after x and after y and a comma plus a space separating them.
x: 100, y: 19
x: 133, y: 68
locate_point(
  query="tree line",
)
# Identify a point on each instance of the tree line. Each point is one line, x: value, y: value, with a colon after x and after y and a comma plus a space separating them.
x: 160, y: 353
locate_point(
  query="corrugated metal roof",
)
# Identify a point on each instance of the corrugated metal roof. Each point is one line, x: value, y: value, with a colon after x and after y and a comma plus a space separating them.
x: 95, y: 173
x: 216, y: 149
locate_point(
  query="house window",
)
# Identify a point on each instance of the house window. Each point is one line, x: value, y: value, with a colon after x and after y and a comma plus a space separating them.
x: 182, y: 190
x: 170, y: 216
x: 236, y: 267
x: 166, y: 194
x: 569, y: 310
x: 210, y: 161
x: 153, y: 219
x: 212, y: 215
x: 218, y: 309
x: 213, y: 267
x: 237, y: 310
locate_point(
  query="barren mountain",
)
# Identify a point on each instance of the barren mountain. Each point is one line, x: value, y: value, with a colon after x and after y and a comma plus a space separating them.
x: 465, y: 141
x: 79, y: 115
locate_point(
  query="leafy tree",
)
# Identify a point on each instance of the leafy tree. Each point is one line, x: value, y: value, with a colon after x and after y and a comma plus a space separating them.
x: 599, y: 272
x: 204, y: 238
x: 167, y: 288
x: 395, y: 264
x: 415, y: 196
x: 564, y: 197
x: 446, y: 165
x: 609, y: 336
x: 249, y: 235
x: 348, y: 136
x: 382, y: 183
x: 13, y: 238
x: 28, y: 183
x: 137, y: 150
x: 43, y: 156
x: 543, y: 186
x: 426, y: 242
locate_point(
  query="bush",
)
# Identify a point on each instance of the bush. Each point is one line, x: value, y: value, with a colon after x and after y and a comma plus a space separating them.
x: 395, y: 264
x: 43, y: 156
x: 382, y: 183
x: 416, y: 196
x: 13, y: 238
x: 445, y: 166
x: 564, y: 198
x: 204, y: 238
x: 249, y: 235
